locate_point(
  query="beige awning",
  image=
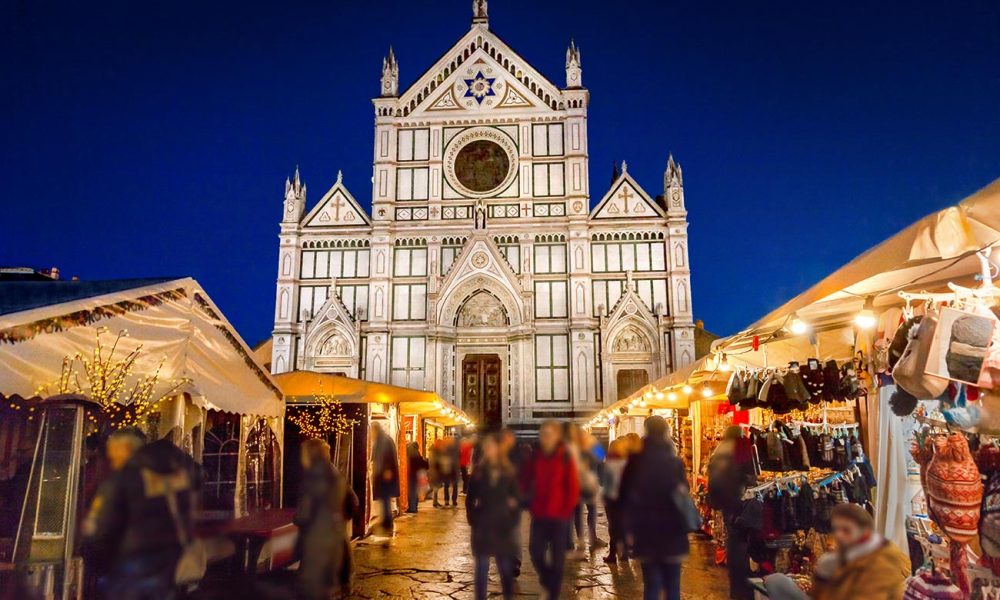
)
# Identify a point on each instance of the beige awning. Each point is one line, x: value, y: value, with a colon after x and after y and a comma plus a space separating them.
x: 926, y: 256
x: 180, y: 330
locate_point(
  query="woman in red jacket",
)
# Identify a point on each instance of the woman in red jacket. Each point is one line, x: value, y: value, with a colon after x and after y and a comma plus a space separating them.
x: 552, y: 489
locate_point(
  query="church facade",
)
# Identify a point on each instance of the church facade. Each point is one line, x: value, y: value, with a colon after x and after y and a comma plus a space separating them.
x: 483, y: 272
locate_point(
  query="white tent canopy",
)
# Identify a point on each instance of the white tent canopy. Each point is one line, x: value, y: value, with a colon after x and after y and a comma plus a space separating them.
x: 926, y: 256
x: 180, y: 330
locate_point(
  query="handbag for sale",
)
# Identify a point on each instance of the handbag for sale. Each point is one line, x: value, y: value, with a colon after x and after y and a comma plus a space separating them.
x: 909, y: 372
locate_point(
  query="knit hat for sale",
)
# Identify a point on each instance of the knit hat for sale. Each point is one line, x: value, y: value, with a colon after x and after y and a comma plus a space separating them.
x: 928, y: 585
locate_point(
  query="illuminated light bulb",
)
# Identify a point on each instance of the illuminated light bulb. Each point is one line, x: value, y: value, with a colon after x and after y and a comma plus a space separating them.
x: 798, y: 326
x: 659, y: 395
x: 866, y: 319
x: 706, y: 392
x: 648, y: 395
x: 724, y: 364
x: 634, y: 402
x: 672, y: 396
x: 642, y: 403
x: 687, y: 389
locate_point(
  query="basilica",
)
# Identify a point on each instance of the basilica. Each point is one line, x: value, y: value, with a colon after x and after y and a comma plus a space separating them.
x: 483, y: 270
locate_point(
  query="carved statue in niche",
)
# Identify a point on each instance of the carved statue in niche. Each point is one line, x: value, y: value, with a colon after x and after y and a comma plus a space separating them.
x: 482, y: 310
x: 335, y: 345
x: 631, y: 340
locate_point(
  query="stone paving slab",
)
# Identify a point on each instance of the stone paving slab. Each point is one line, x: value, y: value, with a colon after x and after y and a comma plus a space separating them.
x: 430, y: 558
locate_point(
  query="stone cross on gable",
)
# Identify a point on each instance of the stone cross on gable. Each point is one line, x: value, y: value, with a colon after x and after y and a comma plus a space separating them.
x: 625, y: 195
x: 337, y: 204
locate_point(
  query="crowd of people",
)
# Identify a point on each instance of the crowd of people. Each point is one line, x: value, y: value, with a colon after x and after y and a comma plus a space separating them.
x: 139, y: 533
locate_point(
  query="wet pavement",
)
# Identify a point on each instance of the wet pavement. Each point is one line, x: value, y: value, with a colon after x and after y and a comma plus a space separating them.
x: 430, y: 558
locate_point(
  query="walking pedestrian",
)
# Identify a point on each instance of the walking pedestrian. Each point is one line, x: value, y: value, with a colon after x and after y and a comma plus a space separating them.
x: 465, y: 451
x: 611, y: 478
x: 325, y: 508
x: 727, y: 479
x: 141, y: 520
x: 453, y: 474
x: 493, y: 506
x: 516, y: 456
x: 415, y: 464
x: 553, y: 491
x: 651, y: 480
x: 865, y: 565
x: 435, y: 477
x: 385, y: 474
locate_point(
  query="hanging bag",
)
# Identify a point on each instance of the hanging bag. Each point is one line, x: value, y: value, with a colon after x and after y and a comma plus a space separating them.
x: 909, y: 372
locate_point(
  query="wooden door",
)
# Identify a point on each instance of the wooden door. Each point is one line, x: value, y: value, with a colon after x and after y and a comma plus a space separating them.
x: 630, y: 381
x: 482, y: 397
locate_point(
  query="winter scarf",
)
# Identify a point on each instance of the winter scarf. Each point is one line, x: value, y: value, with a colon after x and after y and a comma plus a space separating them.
x: 927, y: 585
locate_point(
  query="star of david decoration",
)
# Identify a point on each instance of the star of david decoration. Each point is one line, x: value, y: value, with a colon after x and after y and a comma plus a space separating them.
x: 479, y: 87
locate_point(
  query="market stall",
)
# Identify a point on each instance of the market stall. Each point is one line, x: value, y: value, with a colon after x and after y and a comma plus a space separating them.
x: 352, y: 405
x: 79, y: 359
x: 864, y: 321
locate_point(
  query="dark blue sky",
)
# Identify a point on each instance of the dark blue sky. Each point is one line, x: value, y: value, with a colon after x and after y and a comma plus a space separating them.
x: 145, y: 139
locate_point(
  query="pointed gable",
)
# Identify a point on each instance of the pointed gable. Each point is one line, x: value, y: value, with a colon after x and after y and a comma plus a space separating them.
x: 626, y: 200
x: 480, y: 265
x: 337, y: 208
x: 479, y: 72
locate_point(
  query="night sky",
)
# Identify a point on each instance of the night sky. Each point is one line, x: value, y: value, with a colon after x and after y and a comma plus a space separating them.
x: 153, y: 138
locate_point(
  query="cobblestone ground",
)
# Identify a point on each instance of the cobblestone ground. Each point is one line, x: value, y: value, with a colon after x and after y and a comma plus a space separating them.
x: 430, y: 558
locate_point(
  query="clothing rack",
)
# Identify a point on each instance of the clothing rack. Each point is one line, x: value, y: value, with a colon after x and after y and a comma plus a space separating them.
x: 801, y: 477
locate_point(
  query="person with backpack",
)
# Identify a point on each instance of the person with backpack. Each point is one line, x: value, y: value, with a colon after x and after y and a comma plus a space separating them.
x: 651, y: 483
x: 552, y: 491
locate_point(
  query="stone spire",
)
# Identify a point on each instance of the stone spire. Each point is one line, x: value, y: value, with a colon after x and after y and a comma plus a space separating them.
x: 673, y: 186
x: 574, y: 70
x: 480, y: 13
x: 295, y: 197
x: 390, y: 75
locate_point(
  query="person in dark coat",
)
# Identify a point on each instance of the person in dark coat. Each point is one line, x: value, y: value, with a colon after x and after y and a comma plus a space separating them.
x: 132, y: 533
x: 325, y: 509
x: 385, y: 473
x: 728, y: 478
x: 652, y: 476
x: 414, y: 464
x: 493, y: 507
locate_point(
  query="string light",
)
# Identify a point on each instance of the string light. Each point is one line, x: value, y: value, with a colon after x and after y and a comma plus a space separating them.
x: 672, y: 396
x: 724, y: 363
x: 322, y: 419
x: 706, y: 392
x: 125, y: 398
x: 659, y: 395
x: 687, y: 389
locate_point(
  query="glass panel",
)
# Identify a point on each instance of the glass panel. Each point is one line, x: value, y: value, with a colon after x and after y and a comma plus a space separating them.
x: 555, y: 139
x: 404, y: 184
x: 350, y: 264
x: 308, y: 265
x: 543, y: 351
x: 544, y: 387
x: 560, y: 350
x: 539, y: 143
x: 400, y: 351
x: 642, y: 257
x: 598, y: 253
x: 322, y: 265
x: 659, y: 263
x: 420, y: 144
x: 614, y: 257
x: 336, y: 262
x: 628, y: 257
x: 405, y: 146
x: 418, y: 262
x: 55, y: 477
x: 400, y: 302
x: 541, y: 175
x: 560, y: 384
x: 543, y: 306
x: 402, y: 262
x: 363, y: 256
x: 420, y: 184
x: 559, y: 308
x: 418, y: 302
x: 558, y: 259
x: 556, y: 180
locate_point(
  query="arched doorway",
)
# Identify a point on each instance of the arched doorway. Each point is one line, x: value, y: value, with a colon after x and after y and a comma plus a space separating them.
x: 482, y: 315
